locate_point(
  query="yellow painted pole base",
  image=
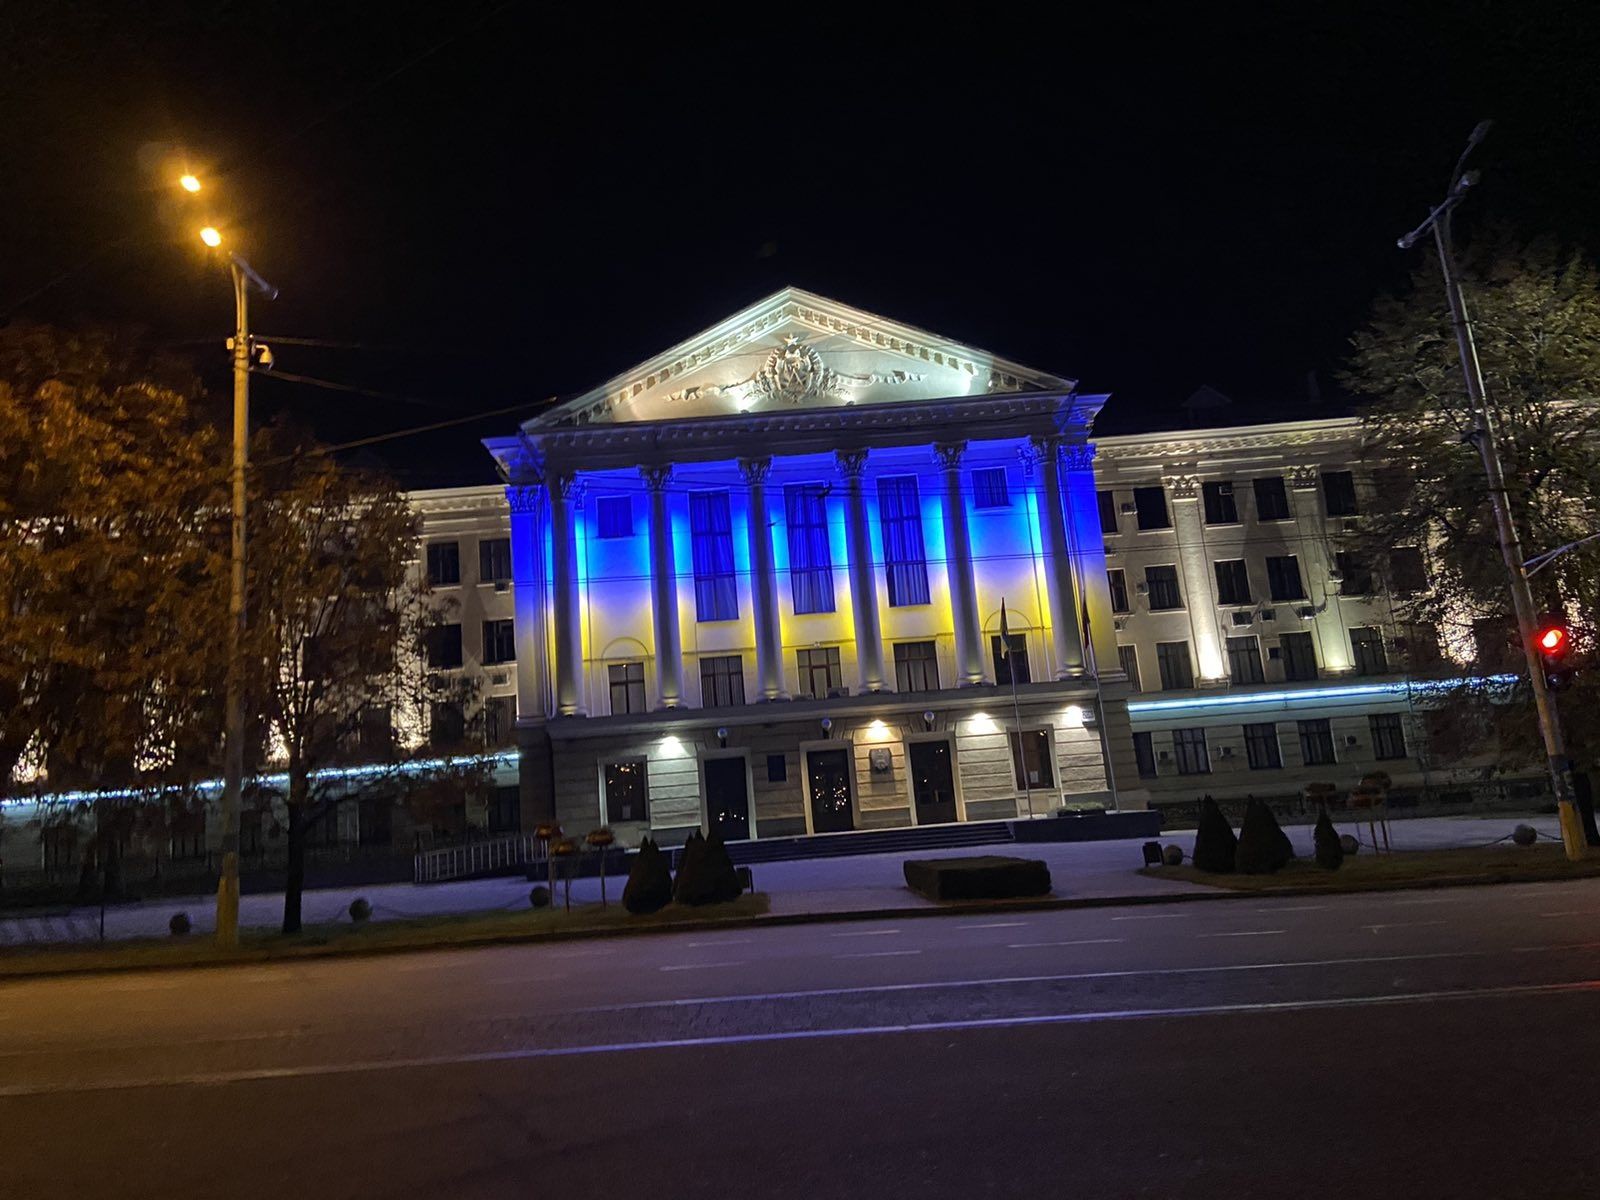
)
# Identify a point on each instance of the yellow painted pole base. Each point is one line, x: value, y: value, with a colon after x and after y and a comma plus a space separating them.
x: 228, y: 903
x: 1572, y: 836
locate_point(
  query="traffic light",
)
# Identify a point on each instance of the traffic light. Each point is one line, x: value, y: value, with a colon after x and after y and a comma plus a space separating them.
x: 1553, y: 640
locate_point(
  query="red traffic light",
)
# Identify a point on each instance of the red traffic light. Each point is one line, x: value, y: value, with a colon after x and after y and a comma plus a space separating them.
x: 1552, y: 639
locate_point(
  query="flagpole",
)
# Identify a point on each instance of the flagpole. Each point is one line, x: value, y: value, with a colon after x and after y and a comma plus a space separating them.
x: 1016, y: 708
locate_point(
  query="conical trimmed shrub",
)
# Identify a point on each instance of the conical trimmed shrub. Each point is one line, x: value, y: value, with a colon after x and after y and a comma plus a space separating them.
x: 720, y: 871
x: 649, y: 886
x: 690, y: 886
x: 1329, y: 850
x: 1263, y: 846
x: 1214, y: 843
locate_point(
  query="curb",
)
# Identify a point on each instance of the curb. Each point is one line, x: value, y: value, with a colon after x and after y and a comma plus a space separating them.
x: 1212, y: 893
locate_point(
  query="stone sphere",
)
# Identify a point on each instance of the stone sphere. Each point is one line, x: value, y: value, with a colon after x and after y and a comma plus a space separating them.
x: 1524, y: 835
x: 1172, y: 855
x: 180, y: 924
x: 1348, y: 844
x: 539, y: 897
x: 360, y: 909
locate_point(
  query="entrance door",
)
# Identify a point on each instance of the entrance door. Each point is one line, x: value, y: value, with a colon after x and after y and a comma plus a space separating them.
x: 933, y: 785
x: 727, y: 798
x: 829, y: 772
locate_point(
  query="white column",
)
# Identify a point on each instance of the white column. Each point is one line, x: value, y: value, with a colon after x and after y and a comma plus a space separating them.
x: 863, y: 576
x: 763, y: 582
x: 1089, y: 557
x: 527, y: 580
x: 958, y: 567
x: 1333, y: 639
x: 1197, y: 578
x: 664, y: 591
x: 565, y: 497
x: 1064, y: 611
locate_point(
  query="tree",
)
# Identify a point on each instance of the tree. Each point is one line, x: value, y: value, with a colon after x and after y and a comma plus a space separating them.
x: 112, y: 577
x: 339, y: 622
x: 1263, y: 846
x: 1536, y: 316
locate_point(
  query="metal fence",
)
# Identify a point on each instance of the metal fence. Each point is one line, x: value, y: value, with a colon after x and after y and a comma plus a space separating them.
x: 477, y: 858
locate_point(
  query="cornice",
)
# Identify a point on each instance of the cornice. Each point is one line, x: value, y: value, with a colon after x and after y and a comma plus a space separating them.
x: 1190, y: 444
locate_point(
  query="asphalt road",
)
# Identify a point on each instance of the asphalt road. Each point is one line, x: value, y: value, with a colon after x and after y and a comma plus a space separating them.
x: 1419, y: 1044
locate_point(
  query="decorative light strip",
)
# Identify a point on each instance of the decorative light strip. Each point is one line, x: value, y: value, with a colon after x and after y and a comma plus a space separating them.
x: 1354, y: 691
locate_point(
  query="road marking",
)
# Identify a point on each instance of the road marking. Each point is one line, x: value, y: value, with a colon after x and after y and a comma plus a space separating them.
x: 879, y: 954
x: 995, y: 925
x: 723, y: 942
x: 1073, y: 942
x: 1296, y: 908
x: 702, y: 966
x: 865, y: 933
x: 590, y: 953
x: 1402, y: 925
x: 361, y: 1067
x: 1574, y: 912
x: 1245, y: 933
x: 1154, y: 917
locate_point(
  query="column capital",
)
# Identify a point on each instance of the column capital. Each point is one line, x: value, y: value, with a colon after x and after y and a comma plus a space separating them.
x: 1304, y: 479
x: 657, y: 475
x: 1078, y: 456
x: 1028, y: 456
x: 567, y: 485
x: 525, y: 499
x: 949, y: 454
x: 755, y: 470
x: 851, y: 463
x: 1182, y: 487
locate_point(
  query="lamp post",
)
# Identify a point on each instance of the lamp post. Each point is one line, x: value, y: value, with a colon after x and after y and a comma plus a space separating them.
x: 244, y: 278
x: 1483, y: 437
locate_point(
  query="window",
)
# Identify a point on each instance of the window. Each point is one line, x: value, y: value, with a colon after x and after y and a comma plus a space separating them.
x: 1244, y: 660
x: 716, y: 588
x: 1261, y: 747
x: 1010, y: 660
x: 1117, y: 581
x: 1339, y: 493
x: 1220, y: 507
x: 1495, y: 641
x: 916, y: 668
x: 1299, y: 657
x: 1233, y: 581
x: 627, y: 687
x: 1189, y: 748
x: 721, y: 681
x: 444, y: 563
x: 444, y: 646
x: 499, y: 642
x: 1388, y: 735
x: 505, y: 810
x: 905, y: 563
x: 375, y: 734
x: 447, y: 724
x: 1108, y: 511
x: 1367, y: 644
x: 1272, y: 502
x: 1030, y: 759
x: 1128, y: 657
x: 810, y: 556
x: 1172, y: 660
x: 1151, y: 505
x: 1283, y: 578
x: 615, y: 516
x: 1407, y: 570
x: 1355, y: 576
x: 820, y: 672
x: 989, y: 488
x: 627, y: 791
x: 1316, y: 743
x: 1162, y: 585
x: 1144, y: 753
x: 499, y: 720
x: 777, y: 768
x: 494, y: 560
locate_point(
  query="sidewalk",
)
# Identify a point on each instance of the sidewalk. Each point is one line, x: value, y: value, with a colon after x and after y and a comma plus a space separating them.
x: 1080, y: 870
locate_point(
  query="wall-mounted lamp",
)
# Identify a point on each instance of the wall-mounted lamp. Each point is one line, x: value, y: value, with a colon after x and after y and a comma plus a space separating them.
x: 722, y: 738
x: 827, y: 726
x: 927, y: 719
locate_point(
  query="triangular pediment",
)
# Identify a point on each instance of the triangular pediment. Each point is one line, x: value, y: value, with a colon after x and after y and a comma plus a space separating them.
x: 794, y: 350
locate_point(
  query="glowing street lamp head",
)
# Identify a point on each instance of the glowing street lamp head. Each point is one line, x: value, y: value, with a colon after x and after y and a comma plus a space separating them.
x: 189, y: 183
x: 211, y: 237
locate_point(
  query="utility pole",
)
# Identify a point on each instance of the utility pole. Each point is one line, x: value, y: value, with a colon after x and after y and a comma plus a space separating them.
x: 1484, y: 438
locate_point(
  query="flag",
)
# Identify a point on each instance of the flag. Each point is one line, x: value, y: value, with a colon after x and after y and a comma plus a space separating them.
x: 1005, y: 631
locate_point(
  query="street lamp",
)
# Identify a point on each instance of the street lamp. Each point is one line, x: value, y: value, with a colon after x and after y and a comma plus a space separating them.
x: 1483, y: 437
x: 244, y: 279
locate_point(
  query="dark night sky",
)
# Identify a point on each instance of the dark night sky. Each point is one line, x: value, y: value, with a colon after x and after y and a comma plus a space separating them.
x: 502, y: 205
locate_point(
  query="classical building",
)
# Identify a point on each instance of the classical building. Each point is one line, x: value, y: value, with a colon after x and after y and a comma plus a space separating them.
x: 813, y: 570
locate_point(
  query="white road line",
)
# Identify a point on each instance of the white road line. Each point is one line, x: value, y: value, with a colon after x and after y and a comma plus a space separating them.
x: 359, y: 1067
x: 865, y: 933
x: 879, y: 954
x: 1402, y: 925
x: 704, y: 965
x: 1154, y: 917
x: 1245, y: 933
x: 1073, y: 942
x: 723, y: 942
x: 995, y: 925
x: 1296, y: 908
